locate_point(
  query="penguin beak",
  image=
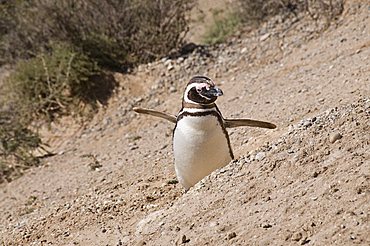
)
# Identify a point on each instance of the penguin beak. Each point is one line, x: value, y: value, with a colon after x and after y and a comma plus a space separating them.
x: 212, y: 92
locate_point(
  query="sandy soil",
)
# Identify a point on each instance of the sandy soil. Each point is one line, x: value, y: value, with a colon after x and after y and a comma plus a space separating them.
x: 307, y: 182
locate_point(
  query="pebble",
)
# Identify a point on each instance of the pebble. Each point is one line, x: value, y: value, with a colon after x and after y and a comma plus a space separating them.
x: 184, y: 239
x: 307, y: 123
x: 334, y: 137
x: 260, y: 156
x: 290, y: 129
x: 297, y: 236
x: 213, y: 224
x: 266, y: 225
x: 315, y: 174
x: 264, y: 37
x: 134, y: 147
x: 231, y: 235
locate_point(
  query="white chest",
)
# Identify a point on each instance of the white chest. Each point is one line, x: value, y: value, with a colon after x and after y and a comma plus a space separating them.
x: 200, y: 147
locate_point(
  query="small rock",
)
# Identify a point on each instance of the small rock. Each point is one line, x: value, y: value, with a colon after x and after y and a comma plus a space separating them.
x: 172, y: 181
x: 297, y: 236
x: 266, y: 225
x: 305, y: 241
x: 134, y: 147
x: 264, y: 37
x: 184, y: 239
x: 307, y: 123
x: 260, y: 156
x: 231, y: 235
x: 334, y: 137
x: 213, y: 224
x: 141, y: 243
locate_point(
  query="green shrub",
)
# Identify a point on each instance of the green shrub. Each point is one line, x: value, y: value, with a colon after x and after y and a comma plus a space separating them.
x: 17, y: 144
x: 222, y: 28
x: 52, y: 83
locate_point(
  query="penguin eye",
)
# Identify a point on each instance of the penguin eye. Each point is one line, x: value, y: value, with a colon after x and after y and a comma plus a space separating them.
x: 203, y: 89
x: 199, y: 90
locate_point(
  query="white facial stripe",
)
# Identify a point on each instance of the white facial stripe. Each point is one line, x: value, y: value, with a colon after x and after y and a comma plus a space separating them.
x: 202, y: 85
x: 188, y: 88
x: 197, y: 110
x: 198, y: 86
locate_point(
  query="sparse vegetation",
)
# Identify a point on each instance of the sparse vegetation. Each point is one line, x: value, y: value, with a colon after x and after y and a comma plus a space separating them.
x: 222, y: 28
x: 116, y: 34
x: 16, y: 145
x: 51, y: 84
x: 63, y: 53
x: 253, y: 12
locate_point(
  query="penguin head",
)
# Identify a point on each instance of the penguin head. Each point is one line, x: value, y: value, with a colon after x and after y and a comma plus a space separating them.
x: 201, y: 90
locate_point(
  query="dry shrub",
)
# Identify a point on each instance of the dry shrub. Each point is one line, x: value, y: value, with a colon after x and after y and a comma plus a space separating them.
x: 51, y: 84
x: 17, y: 143
x: 254, y: 12
x: 116, y: 33
x: 61, y: 49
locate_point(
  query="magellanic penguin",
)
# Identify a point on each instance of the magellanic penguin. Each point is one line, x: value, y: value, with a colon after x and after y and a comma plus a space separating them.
x: 201, y: 143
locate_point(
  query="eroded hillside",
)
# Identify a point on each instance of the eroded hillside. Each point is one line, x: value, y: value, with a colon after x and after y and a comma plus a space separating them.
x: 113, y: 181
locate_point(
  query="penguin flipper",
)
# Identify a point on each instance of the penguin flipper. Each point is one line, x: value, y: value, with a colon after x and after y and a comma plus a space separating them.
x: 231, y: 123
x: 155, y: 113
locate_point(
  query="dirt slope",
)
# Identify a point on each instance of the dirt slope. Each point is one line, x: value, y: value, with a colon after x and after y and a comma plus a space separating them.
x: 113, y: 181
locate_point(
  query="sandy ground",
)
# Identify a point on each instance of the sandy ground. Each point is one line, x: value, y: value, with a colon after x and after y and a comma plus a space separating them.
x: 307, y: 182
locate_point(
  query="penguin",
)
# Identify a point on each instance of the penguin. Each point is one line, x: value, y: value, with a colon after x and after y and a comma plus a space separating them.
x: 201, y: 143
